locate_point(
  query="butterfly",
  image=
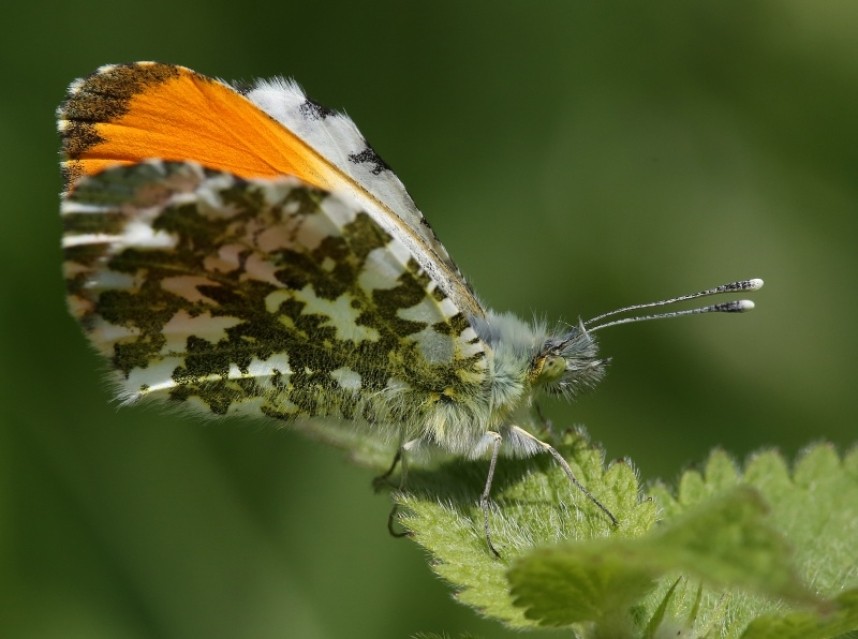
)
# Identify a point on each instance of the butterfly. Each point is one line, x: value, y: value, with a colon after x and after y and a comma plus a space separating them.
x: 244, y: 250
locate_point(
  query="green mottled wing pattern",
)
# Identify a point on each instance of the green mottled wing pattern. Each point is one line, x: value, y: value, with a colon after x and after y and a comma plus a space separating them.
x: 263, y: 297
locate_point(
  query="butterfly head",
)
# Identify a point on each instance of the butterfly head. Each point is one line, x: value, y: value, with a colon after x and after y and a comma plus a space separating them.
x: 568, y: 364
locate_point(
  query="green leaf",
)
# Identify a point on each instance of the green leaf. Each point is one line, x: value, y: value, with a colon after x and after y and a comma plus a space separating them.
x: 843, y: 618
x: 533, y: 504
x: 758, y: 550
x: 724, y: 542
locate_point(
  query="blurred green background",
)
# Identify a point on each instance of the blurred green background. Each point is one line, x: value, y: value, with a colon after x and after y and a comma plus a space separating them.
x: 573, y: 157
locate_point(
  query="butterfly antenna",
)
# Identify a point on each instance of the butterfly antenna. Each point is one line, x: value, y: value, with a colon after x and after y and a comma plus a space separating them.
x: 736, y: 306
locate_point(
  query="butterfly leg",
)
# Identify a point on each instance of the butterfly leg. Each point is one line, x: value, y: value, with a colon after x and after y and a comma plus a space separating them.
x: 485, y: 498
x: 547, y: 424
x: 382, y: 480
x: 400, y: 458
x: 548, y: 448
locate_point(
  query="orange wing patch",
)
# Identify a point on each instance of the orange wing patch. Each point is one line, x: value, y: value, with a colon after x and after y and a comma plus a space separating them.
x: 123, y: 114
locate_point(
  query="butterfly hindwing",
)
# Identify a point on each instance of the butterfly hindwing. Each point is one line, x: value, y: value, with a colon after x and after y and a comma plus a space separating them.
x: 263, y: 295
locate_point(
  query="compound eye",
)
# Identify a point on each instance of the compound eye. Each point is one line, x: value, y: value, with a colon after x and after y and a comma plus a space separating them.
x: 549, y: 369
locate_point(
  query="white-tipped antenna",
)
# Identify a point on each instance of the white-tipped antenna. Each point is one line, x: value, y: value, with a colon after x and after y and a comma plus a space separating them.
x: 736, y: 306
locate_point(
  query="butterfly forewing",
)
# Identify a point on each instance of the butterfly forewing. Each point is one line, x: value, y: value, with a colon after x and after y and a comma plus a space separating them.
x: 132, y: 112
x: 337, y: 137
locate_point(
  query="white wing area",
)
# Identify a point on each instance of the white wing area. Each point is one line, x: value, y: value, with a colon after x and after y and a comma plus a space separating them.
x: 336, y: 137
